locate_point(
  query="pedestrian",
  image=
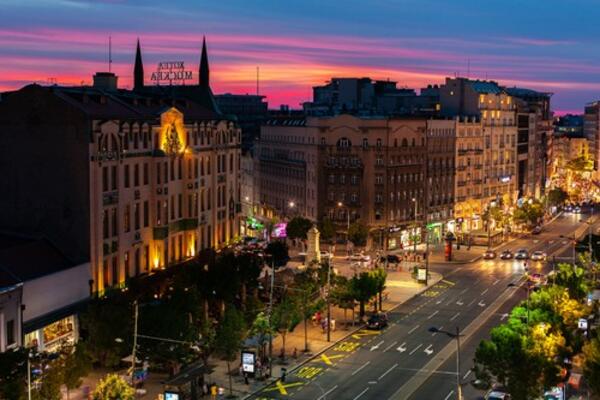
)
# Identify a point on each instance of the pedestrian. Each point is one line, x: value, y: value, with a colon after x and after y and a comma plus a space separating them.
x: 246, y: 378
x: 213, y: 391
x: 204, y: 389
x: 295, y: 353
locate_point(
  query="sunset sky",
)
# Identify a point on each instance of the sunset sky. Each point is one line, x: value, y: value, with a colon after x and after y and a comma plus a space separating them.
x: 548, y: 45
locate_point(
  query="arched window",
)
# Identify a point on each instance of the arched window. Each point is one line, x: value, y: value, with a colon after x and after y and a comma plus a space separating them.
x: 365, y: 143
x: 395, y: 142
x: 378, y: 142
x: 404, y: 142
x: 344, y: 143
x: 413, y: 142
x: 323, y: 141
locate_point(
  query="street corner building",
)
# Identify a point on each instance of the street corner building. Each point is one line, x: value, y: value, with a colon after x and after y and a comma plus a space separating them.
x: 128, y: 180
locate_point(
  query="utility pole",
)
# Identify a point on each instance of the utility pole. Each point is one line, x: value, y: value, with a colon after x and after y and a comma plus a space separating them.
x: 135, y: 336
x: 458, y: 387
x: 270, y: 314
x: 426, y: 256
x: 29, y: 375
x: 328, y: 300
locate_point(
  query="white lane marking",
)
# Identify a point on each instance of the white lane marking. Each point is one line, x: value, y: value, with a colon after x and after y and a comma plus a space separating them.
x: 439, y: 301
x: 415, y: 349
x: 481, y: 303
x: 436, y: 332
x: 471, y: 303
x: 464, y: 290
x: 450, y: 302
x: 433, y: 314
x: 327, y: 392
x: 375, y: 347
x: 429, y: 350
x: 402, y: 348
x: 361, y: 393
x: 390, y: 346
x: 388, y: 371
x: 460, y: 302
x: 485, y: 291
x: 449, y: 394
x: 467, y: 374
x: 455, y: 315
x: 413, y: 329
x: 496, y: 282
x: 361, y: 367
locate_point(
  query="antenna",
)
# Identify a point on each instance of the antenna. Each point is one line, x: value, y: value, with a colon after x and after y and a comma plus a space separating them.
x: 257, y: 80
x: 109, y: 53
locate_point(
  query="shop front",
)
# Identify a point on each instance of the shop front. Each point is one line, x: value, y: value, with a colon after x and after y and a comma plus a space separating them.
x: 400, y: 238
x: 51, y: 332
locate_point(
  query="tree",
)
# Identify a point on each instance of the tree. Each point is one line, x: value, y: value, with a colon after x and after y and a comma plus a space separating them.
x: 248, y: 270
x: 364, y: 288
x: 76, y: 364
x: 13, y: 373
x: 557, y: 196
x: 298, y: 227
x: 379, y: 276
x: 343, y: 296
x: 230, y: 336
x: 285, y: 317
x: 113, y: 387
x: 572, y: 277
x: 279, y: 251
x: 358, y: 234
x: 326, y: 229
x: 261, y: 329
x: 591, y: 364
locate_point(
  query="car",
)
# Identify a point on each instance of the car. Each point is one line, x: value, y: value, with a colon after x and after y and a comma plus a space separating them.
x: 489, y: 255
x: 577, y: 210
x: 568, y: 208
x: 522, y: 254
x: 390, y: 258
x: 537, y: 230
x: 506, y: 255
x: 377, y: 321
x: 538, y: 255
x: 495, y: 394
x: 538, y: 279
x: 326, y: 255
x: 356, y: 257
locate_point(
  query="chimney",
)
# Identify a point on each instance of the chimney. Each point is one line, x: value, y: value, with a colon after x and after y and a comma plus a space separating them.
x: 105, y: 80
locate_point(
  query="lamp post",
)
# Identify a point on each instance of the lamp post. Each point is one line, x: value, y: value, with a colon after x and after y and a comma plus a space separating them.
x: 329, y: 300
x: 340, y: 205
x: 454, y: 335
x: 414, y: 200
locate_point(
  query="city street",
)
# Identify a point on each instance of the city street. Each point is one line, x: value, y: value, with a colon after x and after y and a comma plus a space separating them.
x: 406, y: 360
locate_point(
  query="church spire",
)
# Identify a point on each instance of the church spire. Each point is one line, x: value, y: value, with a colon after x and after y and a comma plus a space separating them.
x: 138, y: 69
x: 203, y: 77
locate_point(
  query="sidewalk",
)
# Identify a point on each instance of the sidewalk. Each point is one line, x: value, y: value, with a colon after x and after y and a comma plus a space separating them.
x: 400, y: 288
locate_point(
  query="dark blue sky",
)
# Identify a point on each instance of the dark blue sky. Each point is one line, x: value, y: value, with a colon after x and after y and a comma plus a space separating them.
x: 543, y: 44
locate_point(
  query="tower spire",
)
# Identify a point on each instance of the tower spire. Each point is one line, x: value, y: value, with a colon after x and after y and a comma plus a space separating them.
x: 204, y: 74
x: 138, y: 69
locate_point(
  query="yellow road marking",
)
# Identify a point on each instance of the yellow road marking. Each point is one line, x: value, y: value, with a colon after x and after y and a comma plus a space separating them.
x: 364, y: 332
x: 282, y: 387
x: 346, y: 346
x: 309, y: 372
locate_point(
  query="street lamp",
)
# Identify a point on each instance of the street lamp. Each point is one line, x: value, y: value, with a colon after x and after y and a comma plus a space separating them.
x: 414, y: 200
x: 456, y: 335
x: 340, y: 205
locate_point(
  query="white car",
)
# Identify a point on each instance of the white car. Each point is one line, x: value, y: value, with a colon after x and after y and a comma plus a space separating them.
x: 538, y: 256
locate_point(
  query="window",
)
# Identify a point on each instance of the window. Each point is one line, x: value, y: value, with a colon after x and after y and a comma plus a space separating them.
x: 146, y: 214
x: 378, y: 142
x: 379, y: 161
x: 126, y: 226
x: 158, y: 212
x: 104, y: 179
x: 147, y: 257
x: 331, y: 178
x: 179, y: 205
x: 146, y: 178
x: 136, y: 216
x: 344, y: 143
x: 354, y: 180
x: 113, y: 217
x: 10, y: 332
x: 172, y: 207
x: 158, y: 173
x: 354, y: 197
x: 365, y: 143
x: 137, y: 261
x: 404, y: 142
x: 113, y: 177
x: 342, y: 179
x: 126, y: 175
x: 379, y: 179
x: 179, y: 168
x: 115, y: 271
x: 196, y: 168
x: 105, y: 224
x: 136, y: 175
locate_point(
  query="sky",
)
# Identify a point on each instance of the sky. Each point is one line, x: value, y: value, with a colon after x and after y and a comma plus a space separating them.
x: 547, y: 45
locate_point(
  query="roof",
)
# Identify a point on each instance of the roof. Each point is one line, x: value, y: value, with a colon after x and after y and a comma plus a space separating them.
x: 525, y: 93
x: 486, y: 87
x: 23, y: 259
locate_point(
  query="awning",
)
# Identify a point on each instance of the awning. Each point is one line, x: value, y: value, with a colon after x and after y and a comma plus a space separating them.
x: 186, y: 375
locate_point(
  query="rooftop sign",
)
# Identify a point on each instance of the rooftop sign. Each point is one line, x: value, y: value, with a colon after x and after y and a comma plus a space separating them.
x: 170, y: 71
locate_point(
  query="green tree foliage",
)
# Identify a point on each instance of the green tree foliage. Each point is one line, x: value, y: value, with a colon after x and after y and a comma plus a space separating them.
x: 573, y: 279
x: 342, y: 295
x: 76, y: 364
x: 557, y: 197
x: 379, y: 275
x: 326, y: 229
x: 528, y: 214
x: 591, y: 365
x: 13, y: 373
x: 358, y: 234
x: 298, y: 227
x: 286, y: 316
x: 261, y: 330
x: 364, y: 287
x: 279, y: 251
x: 229, y: 339
x: 113, y: 387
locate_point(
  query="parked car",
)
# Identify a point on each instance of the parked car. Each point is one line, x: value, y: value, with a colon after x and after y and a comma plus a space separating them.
x: 506, y: 255
x: 391, y: 259
x: 537, y: 230
x: 538, y: 255
x: 377, y: 321
x: 568, y: 208
x: 577, y: 210
x: 538, y: 279
x: 497, y: 395
x: 522, y: 254
x: 489, y: 255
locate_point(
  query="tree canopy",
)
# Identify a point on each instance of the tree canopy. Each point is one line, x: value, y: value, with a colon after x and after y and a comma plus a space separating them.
x: 298, y: 227
x: 358, y: 234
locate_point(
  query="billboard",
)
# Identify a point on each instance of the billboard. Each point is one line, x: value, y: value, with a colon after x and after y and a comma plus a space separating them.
x: 279, y: 230
x: 248, y: 361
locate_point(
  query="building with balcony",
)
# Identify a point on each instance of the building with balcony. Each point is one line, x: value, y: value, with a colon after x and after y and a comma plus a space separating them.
x: 128, y: 181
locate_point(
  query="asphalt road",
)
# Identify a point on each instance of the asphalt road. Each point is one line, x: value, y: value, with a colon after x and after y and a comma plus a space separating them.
x: 406, y: 361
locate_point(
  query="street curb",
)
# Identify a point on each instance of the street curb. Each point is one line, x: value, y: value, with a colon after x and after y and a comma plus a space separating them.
x: 297, y: 366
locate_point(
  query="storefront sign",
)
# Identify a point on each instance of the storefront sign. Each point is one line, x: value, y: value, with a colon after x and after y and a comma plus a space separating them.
x: 422, y: 274
x: 248, y: 361
x: 583, y: 324
x: 279, y: 230
x: 170, y: 71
